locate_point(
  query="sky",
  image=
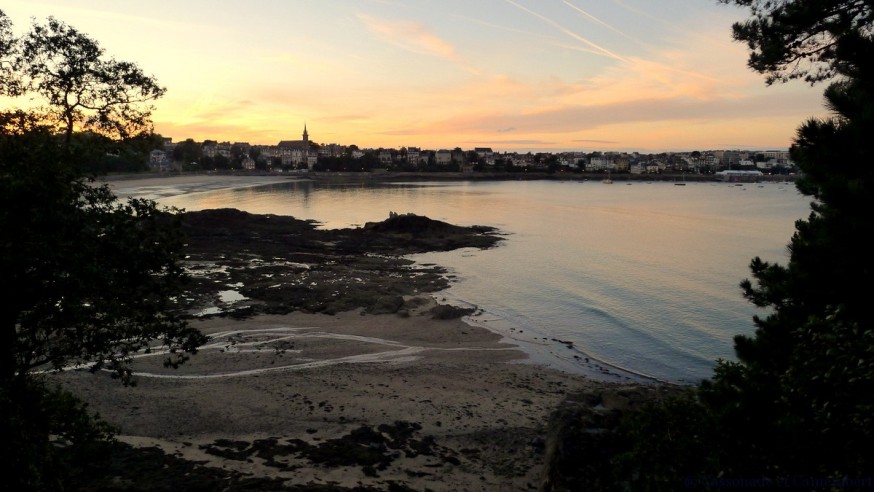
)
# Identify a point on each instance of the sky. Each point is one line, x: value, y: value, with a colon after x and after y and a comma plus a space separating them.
x: 513, y: 75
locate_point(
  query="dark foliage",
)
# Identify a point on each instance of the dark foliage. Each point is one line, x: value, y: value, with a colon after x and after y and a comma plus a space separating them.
x: 48, y: 434
x: 90, y: 280
x: 796, y: 410
x: 93, y: 278
x: 792, y: 39
x: 81, y: 88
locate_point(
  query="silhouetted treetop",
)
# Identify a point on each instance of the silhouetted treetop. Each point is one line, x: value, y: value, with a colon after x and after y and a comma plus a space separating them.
x: 797, y: 39
x: 81, y: 89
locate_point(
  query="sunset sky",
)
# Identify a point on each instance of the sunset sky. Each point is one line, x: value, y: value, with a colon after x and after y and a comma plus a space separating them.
x: 514, y: 75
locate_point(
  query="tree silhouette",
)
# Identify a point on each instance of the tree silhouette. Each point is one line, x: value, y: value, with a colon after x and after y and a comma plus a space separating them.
x: 90, y: 280
x: 798, y: 404
x: 82, y: 90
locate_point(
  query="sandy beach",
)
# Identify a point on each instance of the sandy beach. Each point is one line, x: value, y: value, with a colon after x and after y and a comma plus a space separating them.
x: 475, y: 412
x: 164, y: 185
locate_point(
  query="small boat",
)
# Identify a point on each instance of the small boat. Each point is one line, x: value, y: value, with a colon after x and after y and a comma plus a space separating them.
x: 607, y: 180
x: 681, y: 183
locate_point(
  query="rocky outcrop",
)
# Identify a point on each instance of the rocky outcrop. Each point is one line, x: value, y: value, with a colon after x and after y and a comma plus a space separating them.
x: 583, y: 436
x: 415, y: 233
x: 279, y: 264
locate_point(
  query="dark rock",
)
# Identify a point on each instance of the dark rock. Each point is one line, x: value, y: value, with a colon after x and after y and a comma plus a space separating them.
x: 445, y: 311
x: 583, y: 436
x: 386, y: 305
x: 285, y: 264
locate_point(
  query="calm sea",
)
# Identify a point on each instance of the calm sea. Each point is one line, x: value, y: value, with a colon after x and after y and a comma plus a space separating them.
x: 626, y: 279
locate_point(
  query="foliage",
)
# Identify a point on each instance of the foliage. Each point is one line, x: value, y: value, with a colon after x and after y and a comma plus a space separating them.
x: 798, y: 404
x: 92, y: 280
x: 50, y: 435
x: 187, y: 152
x: 93, y: 277
x: 347, y: 163
x: 669, y: 445
x: 80, y: 88
x: 7, y: 49
x: 792, y: 39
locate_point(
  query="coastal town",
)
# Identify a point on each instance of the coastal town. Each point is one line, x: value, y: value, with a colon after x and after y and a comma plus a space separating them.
x: 305, y: 155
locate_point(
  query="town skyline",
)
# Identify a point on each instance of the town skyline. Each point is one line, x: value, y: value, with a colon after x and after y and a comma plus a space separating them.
x: 346, y: 145
x: 513, y: 75
x: 304, y: 154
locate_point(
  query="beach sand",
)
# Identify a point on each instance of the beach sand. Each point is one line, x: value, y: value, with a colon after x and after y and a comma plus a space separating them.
x: 156, y: 186
x: 446, y: 406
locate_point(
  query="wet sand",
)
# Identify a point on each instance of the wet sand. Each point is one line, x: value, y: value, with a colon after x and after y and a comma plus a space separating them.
x: 475, y: 410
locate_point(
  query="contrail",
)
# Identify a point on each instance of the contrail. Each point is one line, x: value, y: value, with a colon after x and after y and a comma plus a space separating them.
x: 597, y: 20
x: 599, y: 49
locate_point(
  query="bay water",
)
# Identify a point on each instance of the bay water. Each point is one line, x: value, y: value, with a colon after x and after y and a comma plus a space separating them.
x: 635, y: 280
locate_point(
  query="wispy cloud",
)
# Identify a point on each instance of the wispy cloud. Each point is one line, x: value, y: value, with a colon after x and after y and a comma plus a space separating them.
x: 562, y: 73
x: 639, y: 12
x: 649, y: 71
x: 414, y: 37
x: 584, y: 140
x: 598, y: 48
x: 597, y: 20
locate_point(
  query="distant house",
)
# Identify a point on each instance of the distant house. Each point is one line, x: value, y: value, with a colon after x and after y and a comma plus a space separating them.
x: 158, y: 160
x: 332, y: 150
x: 223, y: 149
x: 167, y: 144
x: 443, y: 157
x: 483, y: 152
x: 209, y: 148
x: 599, y: 163
x: 739, y: 176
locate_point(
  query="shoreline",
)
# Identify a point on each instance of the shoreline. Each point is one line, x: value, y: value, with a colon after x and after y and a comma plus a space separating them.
x: 316, y: 378
x: 438, y: 176
x: 548, y: 352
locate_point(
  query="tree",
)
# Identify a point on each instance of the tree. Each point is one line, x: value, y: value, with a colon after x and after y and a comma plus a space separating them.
x: 799, y: 401
x: 791, y: 39
x: 187, y: 152
x: 93, y: 280
x: 7, y: 49
x: 82, y: 90
x: 804, y: 383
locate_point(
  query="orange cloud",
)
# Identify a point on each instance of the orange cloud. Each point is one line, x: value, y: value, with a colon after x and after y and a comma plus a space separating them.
x: 413, y: 37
